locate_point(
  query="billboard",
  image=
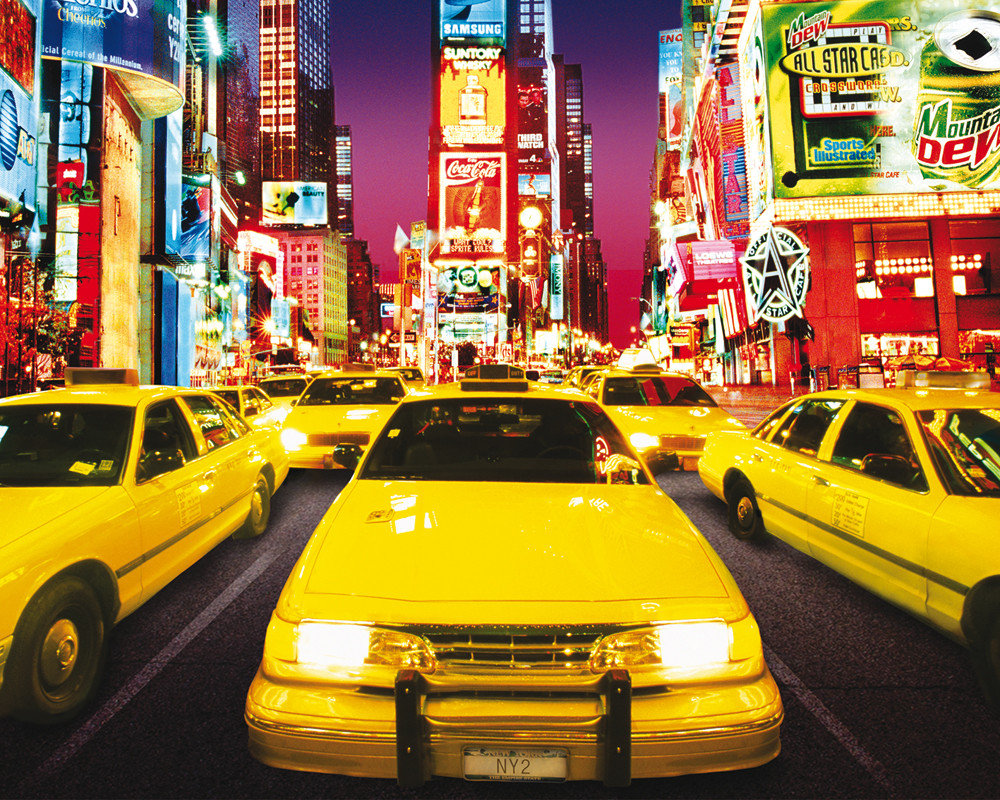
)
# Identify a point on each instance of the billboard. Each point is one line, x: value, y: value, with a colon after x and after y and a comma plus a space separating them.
x: 532, y: 123
x: 196, y: 221
x: 756, y: 120
x: 534, y: 185
x: 293, y: 203
x: 877, y: 98
x: 18, y: 113
x: 735, y: 209
x: 469, y: 288
x: 143, y: 40
x: 472, y: 19
x: 671, y: 78
x: 473, y: 105
x: 471, y: 209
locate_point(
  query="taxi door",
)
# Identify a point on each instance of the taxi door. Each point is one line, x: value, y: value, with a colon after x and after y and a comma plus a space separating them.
x: 871, y: 507
x: 786, y: 466
x: 225, y: 440
x: 168, y: 487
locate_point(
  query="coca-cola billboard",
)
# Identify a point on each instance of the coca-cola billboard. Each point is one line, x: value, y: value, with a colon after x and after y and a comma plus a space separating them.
x: 472, y: 209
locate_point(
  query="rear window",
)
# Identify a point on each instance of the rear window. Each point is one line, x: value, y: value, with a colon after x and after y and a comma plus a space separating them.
x: 655, y: 391
x: 284, y: 387
x: 353, y: 391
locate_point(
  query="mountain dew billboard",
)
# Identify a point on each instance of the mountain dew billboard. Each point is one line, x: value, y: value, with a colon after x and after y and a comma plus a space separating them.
x: 878, y: 98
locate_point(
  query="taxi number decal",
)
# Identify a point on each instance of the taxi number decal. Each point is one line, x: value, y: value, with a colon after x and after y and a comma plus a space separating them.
x: 188, y: 504
x: 849, y: 512
x: 82, y: 467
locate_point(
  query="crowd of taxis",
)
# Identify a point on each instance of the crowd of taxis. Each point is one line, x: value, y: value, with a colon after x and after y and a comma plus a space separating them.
x: 620, y: 649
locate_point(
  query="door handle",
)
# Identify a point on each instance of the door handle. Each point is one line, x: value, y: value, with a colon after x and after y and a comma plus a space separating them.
x: 210, y: 475
x: 820, y: 481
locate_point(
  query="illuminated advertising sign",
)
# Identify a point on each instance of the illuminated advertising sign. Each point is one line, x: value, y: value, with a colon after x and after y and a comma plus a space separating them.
x: 293, y: 203
x: 469, y: 288
x: 17, y: 49
x: 735, y: 210
x: 532, y: 123
x: 18, y: 114
x: 473, y: 107
x: 866, y: 98
x: 776, y: 275
x: 756, y: 121
x: 533, y: 185
x: 472, y: 19
x: 670, y: 80
x: 143, y: 40
x: 67, y: 262
x: 556, y: 287
x: 472, y: 210
x: 196, y: 221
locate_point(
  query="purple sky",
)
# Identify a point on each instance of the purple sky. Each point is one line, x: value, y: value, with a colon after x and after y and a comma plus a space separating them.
x: 382, y: 75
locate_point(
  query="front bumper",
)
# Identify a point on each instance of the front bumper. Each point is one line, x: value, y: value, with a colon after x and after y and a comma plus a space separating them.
x: 334, y: 456
x: 421, y: 729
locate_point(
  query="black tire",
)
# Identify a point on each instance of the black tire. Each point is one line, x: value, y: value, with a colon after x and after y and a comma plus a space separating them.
x: 744, y: 517
x: 986, y: 662
x: 260, y: 511
x: 60, y: 646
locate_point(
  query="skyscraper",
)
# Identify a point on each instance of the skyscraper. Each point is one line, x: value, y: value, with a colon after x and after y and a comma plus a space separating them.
x: 345, y: 181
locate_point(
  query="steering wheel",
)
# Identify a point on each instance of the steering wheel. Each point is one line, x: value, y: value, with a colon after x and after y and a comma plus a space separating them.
x: 562, y: 451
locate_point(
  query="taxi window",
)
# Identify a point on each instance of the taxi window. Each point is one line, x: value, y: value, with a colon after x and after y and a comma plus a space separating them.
x: 48, y: 444
x: 807, y: 424
x: 874, y: 441
x: 231, y: 396
x: 965, y: 444
x: 166, y: 441
x: 284, y: 387
x: 654, y: 391
x: 263, y: 401
x: 353, y: 391
x: 770, y: 422
x: 510, y: 439
x: 217, y: 425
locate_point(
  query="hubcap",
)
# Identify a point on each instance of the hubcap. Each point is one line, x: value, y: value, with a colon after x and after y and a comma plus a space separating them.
x: 60, y: 651
x: 744, y: 511
x: 257, y: 507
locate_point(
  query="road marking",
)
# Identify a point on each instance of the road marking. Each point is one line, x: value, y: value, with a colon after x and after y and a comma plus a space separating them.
x: 828, y: 719
x: 90, y: 728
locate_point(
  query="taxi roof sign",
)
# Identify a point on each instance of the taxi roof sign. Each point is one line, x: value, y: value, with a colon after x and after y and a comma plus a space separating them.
x: 493, y: 378
x: 941, y: 379
x: 101, y: 376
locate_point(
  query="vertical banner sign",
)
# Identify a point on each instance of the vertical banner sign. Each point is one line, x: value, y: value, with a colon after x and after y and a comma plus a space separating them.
x: 873, y: 98
x: 735, y: 212
x: 196, y: 228
x: 556, y: 286
x: 473, y: 96
x: 472, y: 209
x: 756, y: 121
x: 670, y: 79
x: 18, y: 112
x: 532, y: 123
x: 473, y: 19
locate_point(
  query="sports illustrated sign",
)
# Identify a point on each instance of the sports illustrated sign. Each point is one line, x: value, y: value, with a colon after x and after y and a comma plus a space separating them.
x: 776, y: 275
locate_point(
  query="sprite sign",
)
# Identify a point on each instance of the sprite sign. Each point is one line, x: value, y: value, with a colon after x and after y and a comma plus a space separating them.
x: 881, y: 98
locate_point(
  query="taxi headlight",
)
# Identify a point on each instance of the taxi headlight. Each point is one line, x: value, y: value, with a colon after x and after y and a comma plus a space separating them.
x: 676, y: 644
x: 342, y: 645
x: 643, y: 441
x: 292, y: 439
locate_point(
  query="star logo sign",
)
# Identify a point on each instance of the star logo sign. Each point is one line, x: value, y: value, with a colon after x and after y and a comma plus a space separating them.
x: 776, y: 275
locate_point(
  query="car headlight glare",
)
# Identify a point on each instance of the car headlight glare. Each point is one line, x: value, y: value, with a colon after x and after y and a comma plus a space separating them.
x: 292, y: 439
x: 676, y: 644
x: 343, y: 645
x: 643, y: 441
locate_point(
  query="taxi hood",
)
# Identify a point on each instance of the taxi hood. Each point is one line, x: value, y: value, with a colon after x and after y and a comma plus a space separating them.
x: 26, y: 509
x: 514, y: 553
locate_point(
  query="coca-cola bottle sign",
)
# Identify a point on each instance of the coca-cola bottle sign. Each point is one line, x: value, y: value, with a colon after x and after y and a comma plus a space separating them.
x: 469, y: 171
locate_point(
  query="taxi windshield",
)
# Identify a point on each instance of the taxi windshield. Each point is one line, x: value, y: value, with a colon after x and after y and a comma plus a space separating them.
x: 283, y: 387
x: 352, y: 391
x: 966, y: 447
x: 654, y: 391
x: 231, y: 396
x: 63, y: 444
x: 498, y: 439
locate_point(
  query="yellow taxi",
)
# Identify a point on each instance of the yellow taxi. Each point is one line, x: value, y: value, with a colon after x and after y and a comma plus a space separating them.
x: 253, y: 404
x: 413, y: 376
x: 662, y: 413
x: 284, y: 390
x: 110, y: 490
x: 331, y: 424
x: 896, y: 489
x: 503, y: 592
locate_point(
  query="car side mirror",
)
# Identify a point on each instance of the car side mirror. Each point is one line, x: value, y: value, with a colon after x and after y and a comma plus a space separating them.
x: 622, y: 470
x: 659, y: 463
x: 347, y: 455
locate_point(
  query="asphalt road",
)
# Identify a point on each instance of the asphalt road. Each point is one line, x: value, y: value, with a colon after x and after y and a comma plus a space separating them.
x: 877, y: 704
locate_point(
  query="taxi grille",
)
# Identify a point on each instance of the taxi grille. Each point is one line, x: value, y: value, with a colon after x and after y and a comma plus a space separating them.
x: 683, y: 442
x: 513, y: 651
x: 327, y: 439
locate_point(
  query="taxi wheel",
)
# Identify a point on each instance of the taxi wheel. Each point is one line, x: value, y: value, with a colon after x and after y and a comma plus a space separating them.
x: 58, y: 654
x: 744, y: 516
x: 260, y: 511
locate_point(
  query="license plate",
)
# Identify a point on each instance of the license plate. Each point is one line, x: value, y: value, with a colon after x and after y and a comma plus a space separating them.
x: 481, y: 764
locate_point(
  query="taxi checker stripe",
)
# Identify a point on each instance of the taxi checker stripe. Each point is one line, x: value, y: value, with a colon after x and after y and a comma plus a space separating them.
x: 121, y: 572
x: 944, y: 581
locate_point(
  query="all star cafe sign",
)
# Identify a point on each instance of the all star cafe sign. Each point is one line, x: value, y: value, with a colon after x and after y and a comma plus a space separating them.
x: 776, y: 275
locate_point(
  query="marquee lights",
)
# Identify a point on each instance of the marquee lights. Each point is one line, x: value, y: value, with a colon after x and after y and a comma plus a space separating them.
x: 890, y: 206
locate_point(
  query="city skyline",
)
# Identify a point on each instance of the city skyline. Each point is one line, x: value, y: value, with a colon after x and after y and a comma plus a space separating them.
x: 384, y: 94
